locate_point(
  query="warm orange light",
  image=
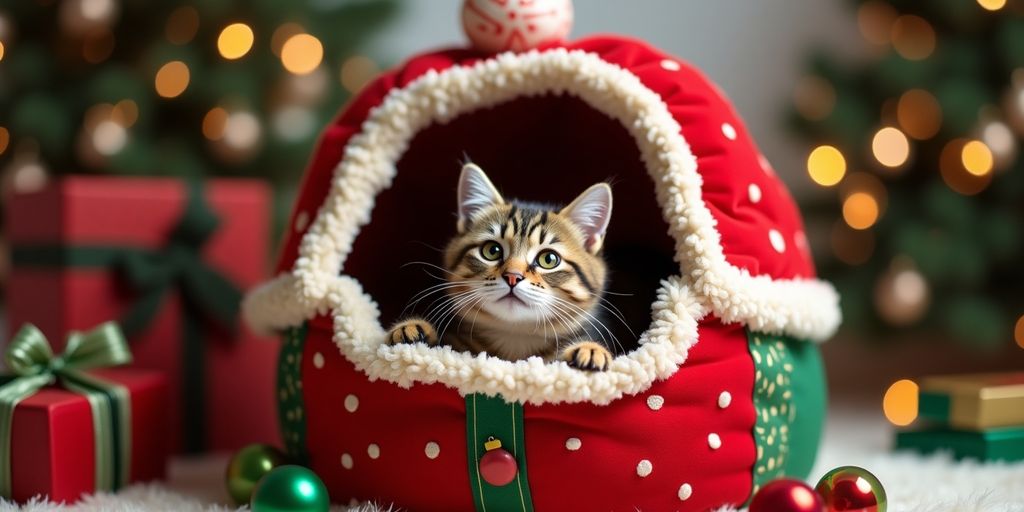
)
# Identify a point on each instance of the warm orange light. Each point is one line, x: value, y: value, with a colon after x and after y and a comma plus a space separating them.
x: 913, y: 37
x: 860, y: 210
x: 5, y: 139
x: 302, y: 53
x: 182, y: 25
x: 356, y: 72
x: 955, y: 175
x: 98, y: 46
x: 1018, y: 332
x: 282, y: 34
x: 125, y: 113
x: 919, y: 114
x: 172, y: 79
x: 890, y: 147
x: 826, y: 165
x: 992, y: 5
x: 1, y: 50
x: 235, y: 41
x: 814, y: 97
x: 900, y: 402
x: 875, y: 18
x: 977, y: 158
x: 214, y: 123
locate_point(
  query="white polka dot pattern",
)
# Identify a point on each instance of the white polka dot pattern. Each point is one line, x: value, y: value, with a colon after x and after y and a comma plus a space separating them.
x: 724, y: 399
x: 729, y: 131
x: 373, y: 451
x: 714, y: 441
x: 670, y: 65
x: 778, y: 243
x: 754, y: 193
x: 644, y: 468
x: 346, y: 461
x: 351, y: 403
x: 685, y: 491
x: 573, y: 443
x: 318, y: 360
x: 301, y: 221
x: 432, y: 450
x: 655, y: 402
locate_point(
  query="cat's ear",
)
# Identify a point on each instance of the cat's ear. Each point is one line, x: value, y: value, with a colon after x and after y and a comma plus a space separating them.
x: 591, y: 211
x: 475, y: 193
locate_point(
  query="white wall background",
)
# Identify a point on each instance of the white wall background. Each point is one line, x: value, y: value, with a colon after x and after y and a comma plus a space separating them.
x: 754, y: 49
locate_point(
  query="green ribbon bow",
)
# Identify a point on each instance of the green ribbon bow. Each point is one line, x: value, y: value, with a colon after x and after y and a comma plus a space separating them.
x: 35, y: 366
x: 153, y: 274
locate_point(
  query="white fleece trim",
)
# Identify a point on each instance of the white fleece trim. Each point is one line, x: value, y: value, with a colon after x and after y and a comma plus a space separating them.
x: 802, y: 308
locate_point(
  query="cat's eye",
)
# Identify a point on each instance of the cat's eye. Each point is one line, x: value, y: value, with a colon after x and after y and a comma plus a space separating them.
x: 548, y: 259
x: 491, y: 251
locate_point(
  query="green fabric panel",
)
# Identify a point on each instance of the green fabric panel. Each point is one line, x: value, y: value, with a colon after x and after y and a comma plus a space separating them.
x: 493, y: 418
x: 291, y: 409
x: 789, y: 400
x: 996, y: 444
x: 933, y: 406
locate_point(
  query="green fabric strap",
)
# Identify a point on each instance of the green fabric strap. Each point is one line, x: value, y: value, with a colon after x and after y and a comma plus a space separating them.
x: 153, y: 274
x: 291, y: 408
x: 34, y: 365
x: 789, y: 400
x: 492, y: 418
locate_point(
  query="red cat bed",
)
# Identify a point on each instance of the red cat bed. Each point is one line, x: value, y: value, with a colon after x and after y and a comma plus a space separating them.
x: 722, y: 390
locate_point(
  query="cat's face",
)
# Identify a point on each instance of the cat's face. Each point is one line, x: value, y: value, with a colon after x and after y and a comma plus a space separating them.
x: 519, y: 263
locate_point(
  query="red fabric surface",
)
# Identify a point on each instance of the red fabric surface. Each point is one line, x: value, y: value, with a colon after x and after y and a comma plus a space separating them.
x: 615, y: 438
x: 240, y: 371
x: 52, y: 443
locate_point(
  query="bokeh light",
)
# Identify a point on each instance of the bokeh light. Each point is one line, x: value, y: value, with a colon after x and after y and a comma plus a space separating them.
x: 282, y: 34
x: 919, y: 114
x: 852, y: 247
x: 992, y: 5
x: 890, y: 147
x: 109, y: 137
x: 125, y: 113
x: 98, y: 46
x: 182, y: 25
x: 875, y: 19
x: 356, y: 71
x: 242, y: 130
x: 977, y: 158
x: 302, y: 53
x: 5, y: 139
x: 235, y: 41
x: 913, y: 37
x: 214, y: 123
x: 826, y: 165
x: 814, y: 97
x: 955, y: 175
x: 172, y: 79
x: 900, y: 402
x: 1, y: 50
x: 860, y: 210
x: 1018, y: 332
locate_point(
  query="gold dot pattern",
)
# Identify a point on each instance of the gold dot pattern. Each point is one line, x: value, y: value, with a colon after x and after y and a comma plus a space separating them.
x: 773, y: 403
x: 291, y: 411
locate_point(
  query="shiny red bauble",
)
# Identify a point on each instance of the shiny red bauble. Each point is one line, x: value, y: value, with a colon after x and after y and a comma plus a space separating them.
x: 498, y: 467
x: 786, y: 495
x: 852, y: 489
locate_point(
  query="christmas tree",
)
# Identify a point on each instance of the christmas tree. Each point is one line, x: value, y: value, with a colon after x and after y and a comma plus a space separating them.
x: 916, y: 151
x: 199, y: 88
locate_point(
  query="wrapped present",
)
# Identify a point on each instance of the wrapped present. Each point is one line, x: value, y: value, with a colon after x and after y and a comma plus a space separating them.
x: 69, y: 425
x: 993, y: 444
x: 974, y: 402
x: 169, y: 260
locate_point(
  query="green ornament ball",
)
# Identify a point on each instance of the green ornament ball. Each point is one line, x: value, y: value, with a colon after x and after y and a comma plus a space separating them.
x: 247, y: 467
x: 290, y: 489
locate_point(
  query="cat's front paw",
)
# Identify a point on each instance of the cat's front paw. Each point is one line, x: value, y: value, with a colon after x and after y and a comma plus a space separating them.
x: 414, y: 330
x: 587, y: 355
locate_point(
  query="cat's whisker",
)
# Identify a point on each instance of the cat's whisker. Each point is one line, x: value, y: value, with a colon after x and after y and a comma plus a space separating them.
x: 441, y: 311
x: 443, y: 287
x: 458, y: 308
x: 591, y: 319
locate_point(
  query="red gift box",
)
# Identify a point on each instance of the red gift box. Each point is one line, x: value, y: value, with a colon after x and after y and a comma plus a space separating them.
x: 67, y: 275
x: 52, y: 448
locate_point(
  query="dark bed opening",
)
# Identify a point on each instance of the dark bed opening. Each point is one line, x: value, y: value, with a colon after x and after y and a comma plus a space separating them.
x: 544, y: 149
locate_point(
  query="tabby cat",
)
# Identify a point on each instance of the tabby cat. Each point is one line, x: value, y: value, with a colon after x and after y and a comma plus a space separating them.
x: 521, y: 279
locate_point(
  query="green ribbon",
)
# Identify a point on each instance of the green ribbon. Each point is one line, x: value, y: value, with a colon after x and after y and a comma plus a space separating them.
x: 487, y: 418
x: 153, y: 274
x: 35, y: 366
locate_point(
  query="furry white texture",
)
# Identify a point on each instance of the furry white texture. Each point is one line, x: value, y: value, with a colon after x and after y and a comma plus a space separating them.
x: 707, y: 283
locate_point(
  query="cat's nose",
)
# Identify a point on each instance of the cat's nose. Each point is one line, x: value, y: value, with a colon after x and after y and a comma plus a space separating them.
x: 513, y: 278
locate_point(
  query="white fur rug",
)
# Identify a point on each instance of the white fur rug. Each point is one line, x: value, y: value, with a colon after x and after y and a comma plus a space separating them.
x: 913, y: 483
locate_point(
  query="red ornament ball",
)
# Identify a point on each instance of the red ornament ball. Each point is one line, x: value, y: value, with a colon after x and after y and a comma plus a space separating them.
x: 852, y: 489
x: 498, y: 467
x: 786, y: 495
